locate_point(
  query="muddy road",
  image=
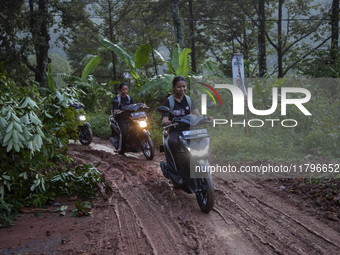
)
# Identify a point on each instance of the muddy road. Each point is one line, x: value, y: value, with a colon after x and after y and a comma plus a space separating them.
x: 144, y: 214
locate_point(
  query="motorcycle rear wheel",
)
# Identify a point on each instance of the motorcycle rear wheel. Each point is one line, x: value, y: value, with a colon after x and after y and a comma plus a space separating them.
x: 147, y: 147
x: 85, y: 135
x: 205, y: 195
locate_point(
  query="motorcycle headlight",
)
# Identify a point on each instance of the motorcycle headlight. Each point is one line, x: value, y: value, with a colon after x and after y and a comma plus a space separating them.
x: 82, y: 117
x: 142, y: 123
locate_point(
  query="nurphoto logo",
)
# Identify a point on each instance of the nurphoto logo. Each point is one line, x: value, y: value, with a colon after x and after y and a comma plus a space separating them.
x: 239, y: 106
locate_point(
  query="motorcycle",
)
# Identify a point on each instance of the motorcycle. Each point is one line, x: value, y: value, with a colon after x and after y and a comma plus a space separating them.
x: 138, y: 136
x: 192, y: 153
x: 84, y: 129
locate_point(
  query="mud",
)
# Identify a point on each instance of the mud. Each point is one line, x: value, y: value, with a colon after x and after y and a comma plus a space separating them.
x: 144, y: 214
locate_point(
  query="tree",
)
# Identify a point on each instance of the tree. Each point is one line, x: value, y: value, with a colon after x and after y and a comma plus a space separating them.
x: 334, y: 30
x: 13, y: 46
x: 294, y: 31
x: 39, y: 25
x: 261, y: 38
x: 112, y: 14
x: 178, y: 25
x: 27, y: 27
x: 224, y: 30
x: 192, y: 36
x: 290, y: 47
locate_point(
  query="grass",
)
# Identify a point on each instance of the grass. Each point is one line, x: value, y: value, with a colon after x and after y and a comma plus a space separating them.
x: 233, y: 144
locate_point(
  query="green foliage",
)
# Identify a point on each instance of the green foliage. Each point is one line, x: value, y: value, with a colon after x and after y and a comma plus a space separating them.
x: 82, y: 181
x: 160, y: 86
x: 155, y: 128
x: 100, y: 124
x: 20, y: 126
x: 90, y: 67
x: 34, y: 134
x: 233, y: 144
x: 124, y: 55
x: 183, y: 67
x: 82, y: 209
x: 142, y: 55
x: 87, y: 89
x: 320, y: 64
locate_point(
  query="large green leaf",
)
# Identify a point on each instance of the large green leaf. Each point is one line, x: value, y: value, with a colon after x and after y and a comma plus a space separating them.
x: 142, y: 55
x: 125, y: 55
x: 159, y: 85
x: 171, y: 68
x: 90, y: 67
x: 183, y: 68
x: 175, y: 57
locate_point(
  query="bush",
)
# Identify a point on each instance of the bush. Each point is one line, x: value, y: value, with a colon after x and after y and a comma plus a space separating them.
x: 34, y: 134
x: 100, y: 124
x: 155, y: 128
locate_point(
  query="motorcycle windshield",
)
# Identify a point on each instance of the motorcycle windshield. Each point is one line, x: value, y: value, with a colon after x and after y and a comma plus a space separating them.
x: 192, y: 120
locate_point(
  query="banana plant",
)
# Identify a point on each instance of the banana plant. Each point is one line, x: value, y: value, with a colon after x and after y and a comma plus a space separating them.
x: 161, y: 84
x: 179, y: 65
x: 134, y: 62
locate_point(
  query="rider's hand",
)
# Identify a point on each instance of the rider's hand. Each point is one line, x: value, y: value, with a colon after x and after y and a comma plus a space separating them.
x: 166, y: 121
x: 117, y: 111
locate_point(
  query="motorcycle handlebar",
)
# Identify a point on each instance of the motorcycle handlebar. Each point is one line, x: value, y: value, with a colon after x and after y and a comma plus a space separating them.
x: 168, y: 126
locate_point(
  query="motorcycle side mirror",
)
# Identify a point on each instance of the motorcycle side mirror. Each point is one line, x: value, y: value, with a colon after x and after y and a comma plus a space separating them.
x: 163, y: 109
x: 211, y: 105
x: 142, y: 94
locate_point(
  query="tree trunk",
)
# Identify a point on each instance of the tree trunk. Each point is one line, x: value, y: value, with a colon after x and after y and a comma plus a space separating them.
x: 178, y: 25
x: 192, y: 37
x: 279, y: 41
x: 153, y: 57
x: 262, y: 58
x: 41, y: 38
x: 112, y: 39
x: 335, y: 30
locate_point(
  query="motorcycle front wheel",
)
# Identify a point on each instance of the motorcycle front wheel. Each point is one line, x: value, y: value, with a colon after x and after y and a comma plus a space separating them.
x: 85, y: 135
x: 205, y: 194
x: 147, y: 147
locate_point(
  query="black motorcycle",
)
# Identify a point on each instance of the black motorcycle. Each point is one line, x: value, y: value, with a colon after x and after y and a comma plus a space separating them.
x: 189, y: 158
x: 138, y: 135
x: 84, y: 128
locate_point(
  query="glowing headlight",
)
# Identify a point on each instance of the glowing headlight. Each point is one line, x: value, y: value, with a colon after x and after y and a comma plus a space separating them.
x: 142, y: 123
x: 82, y: 117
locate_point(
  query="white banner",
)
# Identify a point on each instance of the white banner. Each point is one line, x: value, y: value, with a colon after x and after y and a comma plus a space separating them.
x: 238, y: 72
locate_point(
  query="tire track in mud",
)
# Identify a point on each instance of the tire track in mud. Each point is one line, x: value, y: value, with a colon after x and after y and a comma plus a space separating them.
x: 274, y: 226
x: 145, y: 215
x: 164, y: 215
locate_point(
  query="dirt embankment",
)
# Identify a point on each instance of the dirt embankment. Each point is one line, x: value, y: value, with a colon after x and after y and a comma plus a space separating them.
x: 143, y: 214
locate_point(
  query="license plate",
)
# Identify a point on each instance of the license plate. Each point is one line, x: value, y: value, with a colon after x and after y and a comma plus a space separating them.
x: 136, y: 115
x: 195, y: 133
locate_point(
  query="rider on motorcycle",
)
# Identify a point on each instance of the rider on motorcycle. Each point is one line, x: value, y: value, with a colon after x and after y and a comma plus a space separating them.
x: 181, y: 105
x: 122, y: 118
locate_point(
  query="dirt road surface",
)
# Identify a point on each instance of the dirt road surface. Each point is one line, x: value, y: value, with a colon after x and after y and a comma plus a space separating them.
x: 144, y: 214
